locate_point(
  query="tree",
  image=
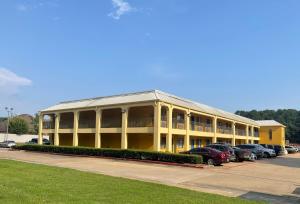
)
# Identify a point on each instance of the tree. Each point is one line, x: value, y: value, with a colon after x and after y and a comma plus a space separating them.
x: 18, y: 126
x: 297, y: 124
x: 35, y: 123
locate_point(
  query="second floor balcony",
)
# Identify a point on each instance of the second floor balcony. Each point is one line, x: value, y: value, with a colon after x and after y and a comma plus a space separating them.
x: 240, y: 132
x: 202, y: 127
x: 48, y: 125
x: 224, y: 130
x: 141, y: 122
x: 178, y: 124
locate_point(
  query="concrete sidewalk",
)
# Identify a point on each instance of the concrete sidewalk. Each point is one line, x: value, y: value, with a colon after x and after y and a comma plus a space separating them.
x: 275, y: 180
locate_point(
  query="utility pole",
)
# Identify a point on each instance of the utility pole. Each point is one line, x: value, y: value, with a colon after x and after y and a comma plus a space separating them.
x: 9, y: 114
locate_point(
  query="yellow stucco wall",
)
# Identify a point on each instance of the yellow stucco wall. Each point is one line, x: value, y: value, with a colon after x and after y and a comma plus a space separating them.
x: 111, y: 140
x: 86, y: 139
x: 140, y: 141
x: 278, y: 135
x: 65, y: 139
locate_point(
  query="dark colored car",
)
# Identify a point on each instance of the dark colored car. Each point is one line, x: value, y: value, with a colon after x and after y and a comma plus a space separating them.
x: 224, y: 148
x: 254, y: 148
x: 279, y: 150
x: 243, y: 154
x: 35, y: 141
x: 210, y: 156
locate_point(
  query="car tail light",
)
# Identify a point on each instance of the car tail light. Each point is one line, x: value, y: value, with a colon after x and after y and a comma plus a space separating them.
x: 223, y: 155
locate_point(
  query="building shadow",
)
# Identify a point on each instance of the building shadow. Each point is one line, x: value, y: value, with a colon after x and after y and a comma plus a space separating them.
x: 272, y: 199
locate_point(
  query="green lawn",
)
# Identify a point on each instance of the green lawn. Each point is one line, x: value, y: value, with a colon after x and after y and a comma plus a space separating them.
x: 31, y: 183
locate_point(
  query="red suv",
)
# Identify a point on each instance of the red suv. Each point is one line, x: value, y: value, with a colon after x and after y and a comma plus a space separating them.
x: 210, y: 156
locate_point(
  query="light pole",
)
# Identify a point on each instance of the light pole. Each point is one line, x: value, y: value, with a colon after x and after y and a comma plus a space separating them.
x: 9, y: 113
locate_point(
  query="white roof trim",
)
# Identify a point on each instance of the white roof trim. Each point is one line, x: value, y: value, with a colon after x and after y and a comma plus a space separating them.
x: 269, y: 123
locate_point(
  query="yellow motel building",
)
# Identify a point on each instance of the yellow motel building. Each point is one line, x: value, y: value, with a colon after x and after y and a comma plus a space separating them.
x: 149, y: 120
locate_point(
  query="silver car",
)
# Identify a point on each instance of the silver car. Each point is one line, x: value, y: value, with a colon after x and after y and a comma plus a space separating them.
x: 7, y: 144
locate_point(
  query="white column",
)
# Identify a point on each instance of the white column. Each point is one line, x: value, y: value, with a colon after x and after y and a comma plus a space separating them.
x: 98, y: 129
x: 75, y: 128
x: 157, y: 121
x: 247, y: 134
x: 187, y: 131
x: 233, y: 134
x: 40, y: 139
x: 124, y: 128
x: 56, y: 134
x: 215, y: 126
x: 169, y: 135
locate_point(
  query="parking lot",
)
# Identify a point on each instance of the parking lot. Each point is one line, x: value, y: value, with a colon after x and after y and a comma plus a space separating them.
x: 275, y: 180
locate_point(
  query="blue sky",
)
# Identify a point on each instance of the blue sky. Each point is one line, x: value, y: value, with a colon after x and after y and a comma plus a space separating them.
x: 227, y: 54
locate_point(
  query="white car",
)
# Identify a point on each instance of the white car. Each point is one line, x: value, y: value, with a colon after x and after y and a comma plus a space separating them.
x: 8, y: 144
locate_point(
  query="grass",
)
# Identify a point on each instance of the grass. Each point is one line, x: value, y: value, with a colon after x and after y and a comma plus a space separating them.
x: 32, y: 183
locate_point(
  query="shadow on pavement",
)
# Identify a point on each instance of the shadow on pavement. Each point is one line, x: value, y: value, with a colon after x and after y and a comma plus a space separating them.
x: 283, y: 161
x: 272, y: 199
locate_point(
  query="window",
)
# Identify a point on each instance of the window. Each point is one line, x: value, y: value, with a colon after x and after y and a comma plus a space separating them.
x: 270, y: 134
x: 208, y: 142
x: 180, y: 142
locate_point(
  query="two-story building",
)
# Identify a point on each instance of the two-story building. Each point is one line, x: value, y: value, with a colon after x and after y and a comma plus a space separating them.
x: 150, y: 120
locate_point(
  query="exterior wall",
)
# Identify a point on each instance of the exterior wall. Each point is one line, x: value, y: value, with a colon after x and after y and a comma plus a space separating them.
x: 18, y: 138
x: 140, y: 141
x: 278, y: 135
x: 86, y: 140
x: 110, y: 140
x: 65, y: 139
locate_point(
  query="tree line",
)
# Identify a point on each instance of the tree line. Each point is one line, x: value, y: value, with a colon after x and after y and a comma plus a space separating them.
x: 288, y: 117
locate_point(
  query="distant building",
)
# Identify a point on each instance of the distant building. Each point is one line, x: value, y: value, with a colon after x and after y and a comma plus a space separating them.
x: 150, y: 120
x: 271, y: 132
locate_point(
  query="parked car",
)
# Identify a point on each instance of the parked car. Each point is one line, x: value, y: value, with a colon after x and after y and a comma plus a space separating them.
x: 210, y: 156
x: 268, y: 153
x: 35, y: 141
x: 224, y: 148
x: 243, y: 154
x: 254, y: 148
x: 8, y: 144
x: 279, y: 150
x: 291, y: 149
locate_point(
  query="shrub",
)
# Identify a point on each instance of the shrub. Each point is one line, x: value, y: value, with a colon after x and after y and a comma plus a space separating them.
x: 116, y: 153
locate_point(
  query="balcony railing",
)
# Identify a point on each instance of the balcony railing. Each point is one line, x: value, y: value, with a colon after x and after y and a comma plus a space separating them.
x: 203, y: 127
x: 178, y: 125
x: 48, y: 125
x: 112, y: 123
x: 87, y: 124
x: 240, y: 132
x: 141, y: 122
x: 164, y: 124
x: 224, y: 130
x: 66, y: 125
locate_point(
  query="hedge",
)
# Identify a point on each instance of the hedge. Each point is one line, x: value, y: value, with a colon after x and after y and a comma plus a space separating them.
x: 116, y: 153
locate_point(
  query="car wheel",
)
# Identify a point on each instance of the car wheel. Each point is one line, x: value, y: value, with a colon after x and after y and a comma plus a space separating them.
x: 253, y: 157
x: 210, y: 162
x: 266, y: 155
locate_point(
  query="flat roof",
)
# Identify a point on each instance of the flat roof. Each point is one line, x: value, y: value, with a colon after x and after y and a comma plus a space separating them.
x: 269, y: 123
x: 152, y: 95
